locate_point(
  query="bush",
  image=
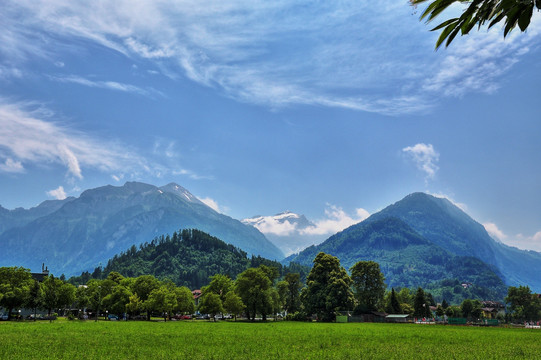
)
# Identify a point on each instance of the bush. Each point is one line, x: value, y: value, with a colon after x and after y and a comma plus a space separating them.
x: 71, y: 316
x: 297, y: 316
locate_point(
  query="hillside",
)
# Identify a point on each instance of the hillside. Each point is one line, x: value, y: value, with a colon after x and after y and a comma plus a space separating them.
x: 188, y: 258
x: 444, y: 224
x: 407, y: 259
x: 102, y: 222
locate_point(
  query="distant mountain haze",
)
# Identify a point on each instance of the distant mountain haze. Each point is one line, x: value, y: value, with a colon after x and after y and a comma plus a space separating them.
x: 77, y: 234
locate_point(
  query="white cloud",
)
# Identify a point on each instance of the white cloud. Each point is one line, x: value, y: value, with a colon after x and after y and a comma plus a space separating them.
x: 347, y: 54
x: 29, y: 135
x: 57, y: 193
x: 476, y: 62
x: 493, y: 230
x: 519, y: 241
x: 11, y: 166
x: 110, y: 85
x: 270, y: 225
x: 425, y: 158
x: 525, y: 242
x: 213, y: 204
x: 461, y: 206
x: 336, y: 220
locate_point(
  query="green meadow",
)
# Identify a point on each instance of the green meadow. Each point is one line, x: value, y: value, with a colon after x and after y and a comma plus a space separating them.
x: 272, y: 340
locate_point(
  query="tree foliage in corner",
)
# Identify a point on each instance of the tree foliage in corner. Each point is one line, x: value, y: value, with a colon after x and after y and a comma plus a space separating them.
x: 479, y: 13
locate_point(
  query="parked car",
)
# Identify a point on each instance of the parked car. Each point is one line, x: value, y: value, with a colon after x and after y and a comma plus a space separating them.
x: 182, y: 317
x: 3, y: 317
x: 112, y: 317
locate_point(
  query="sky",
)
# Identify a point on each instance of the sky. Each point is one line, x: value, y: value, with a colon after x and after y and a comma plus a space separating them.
x: 333, y: 110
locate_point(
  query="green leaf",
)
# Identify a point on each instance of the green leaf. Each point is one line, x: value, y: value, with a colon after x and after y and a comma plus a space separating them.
x: 525, y: 17
x: 444, y: 24
x: 442, y: 5
x: 452, y: 36
x: 445, y: 33
x: 496, y: 20
x: 511, y: 21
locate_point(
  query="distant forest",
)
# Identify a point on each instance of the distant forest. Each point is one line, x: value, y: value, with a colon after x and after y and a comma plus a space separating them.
x: 188, y: 258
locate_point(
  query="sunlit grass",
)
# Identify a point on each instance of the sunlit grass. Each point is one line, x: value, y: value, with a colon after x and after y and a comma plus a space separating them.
x: 281, y: 340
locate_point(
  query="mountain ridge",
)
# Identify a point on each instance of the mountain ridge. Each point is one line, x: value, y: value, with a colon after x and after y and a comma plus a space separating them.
x: 104, y: 220
x: 450, y: 227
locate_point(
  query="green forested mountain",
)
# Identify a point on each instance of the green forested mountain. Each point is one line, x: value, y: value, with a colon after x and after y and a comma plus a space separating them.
x: 188, y: 258
x: 447, y: 226
x: 75, y: 235
x: 408, y: 259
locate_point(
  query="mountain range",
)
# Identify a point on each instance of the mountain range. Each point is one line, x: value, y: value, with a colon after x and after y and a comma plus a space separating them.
x: 77, y: 234
x: 422, y: 238
x: 289, y: 231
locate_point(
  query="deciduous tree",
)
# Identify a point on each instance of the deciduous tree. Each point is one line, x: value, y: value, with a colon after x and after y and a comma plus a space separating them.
x: 15, y: 285
x: 233, y: 304
x: 211, y: 304
x: 327, y: 288
x: 368, y: 285
x: 252, y: 286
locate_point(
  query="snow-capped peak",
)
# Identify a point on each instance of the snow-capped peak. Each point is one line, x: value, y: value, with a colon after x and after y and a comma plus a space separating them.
x: 179, y: 191
x: 299, y: 221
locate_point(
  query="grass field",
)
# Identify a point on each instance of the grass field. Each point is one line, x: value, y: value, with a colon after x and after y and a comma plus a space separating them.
x: 282, y: 340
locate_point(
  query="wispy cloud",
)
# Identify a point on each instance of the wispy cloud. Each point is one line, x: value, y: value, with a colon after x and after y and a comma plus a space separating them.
x: 520, y: 241
x: 11, y: 166
x: 109, y: 85
x: 348, y: 54
x: 425, y: 158
x: 31, y: 135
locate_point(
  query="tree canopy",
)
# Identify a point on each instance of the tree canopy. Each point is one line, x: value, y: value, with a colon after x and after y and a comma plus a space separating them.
x: 328, y: 288
x: 368, y: 284
x: 479, y: 13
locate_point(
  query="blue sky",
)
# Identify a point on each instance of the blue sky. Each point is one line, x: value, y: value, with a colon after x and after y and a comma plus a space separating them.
x: 329, y: 109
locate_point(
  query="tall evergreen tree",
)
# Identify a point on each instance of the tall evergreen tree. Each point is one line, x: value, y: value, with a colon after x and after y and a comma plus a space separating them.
x: 420, y: 305
x: 395, y: 304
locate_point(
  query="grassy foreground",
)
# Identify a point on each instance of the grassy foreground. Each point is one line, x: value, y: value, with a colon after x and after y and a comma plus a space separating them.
x: 282, y: 340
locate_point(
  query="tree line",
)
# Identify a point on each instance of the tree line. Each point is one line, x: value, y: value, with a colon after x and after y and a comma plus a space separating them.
x: 256, y: 292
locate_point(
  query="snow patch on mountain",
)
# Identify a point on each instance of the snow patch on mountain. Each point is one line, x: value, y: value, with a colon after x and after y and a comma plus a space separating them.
x: 292, y: 232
